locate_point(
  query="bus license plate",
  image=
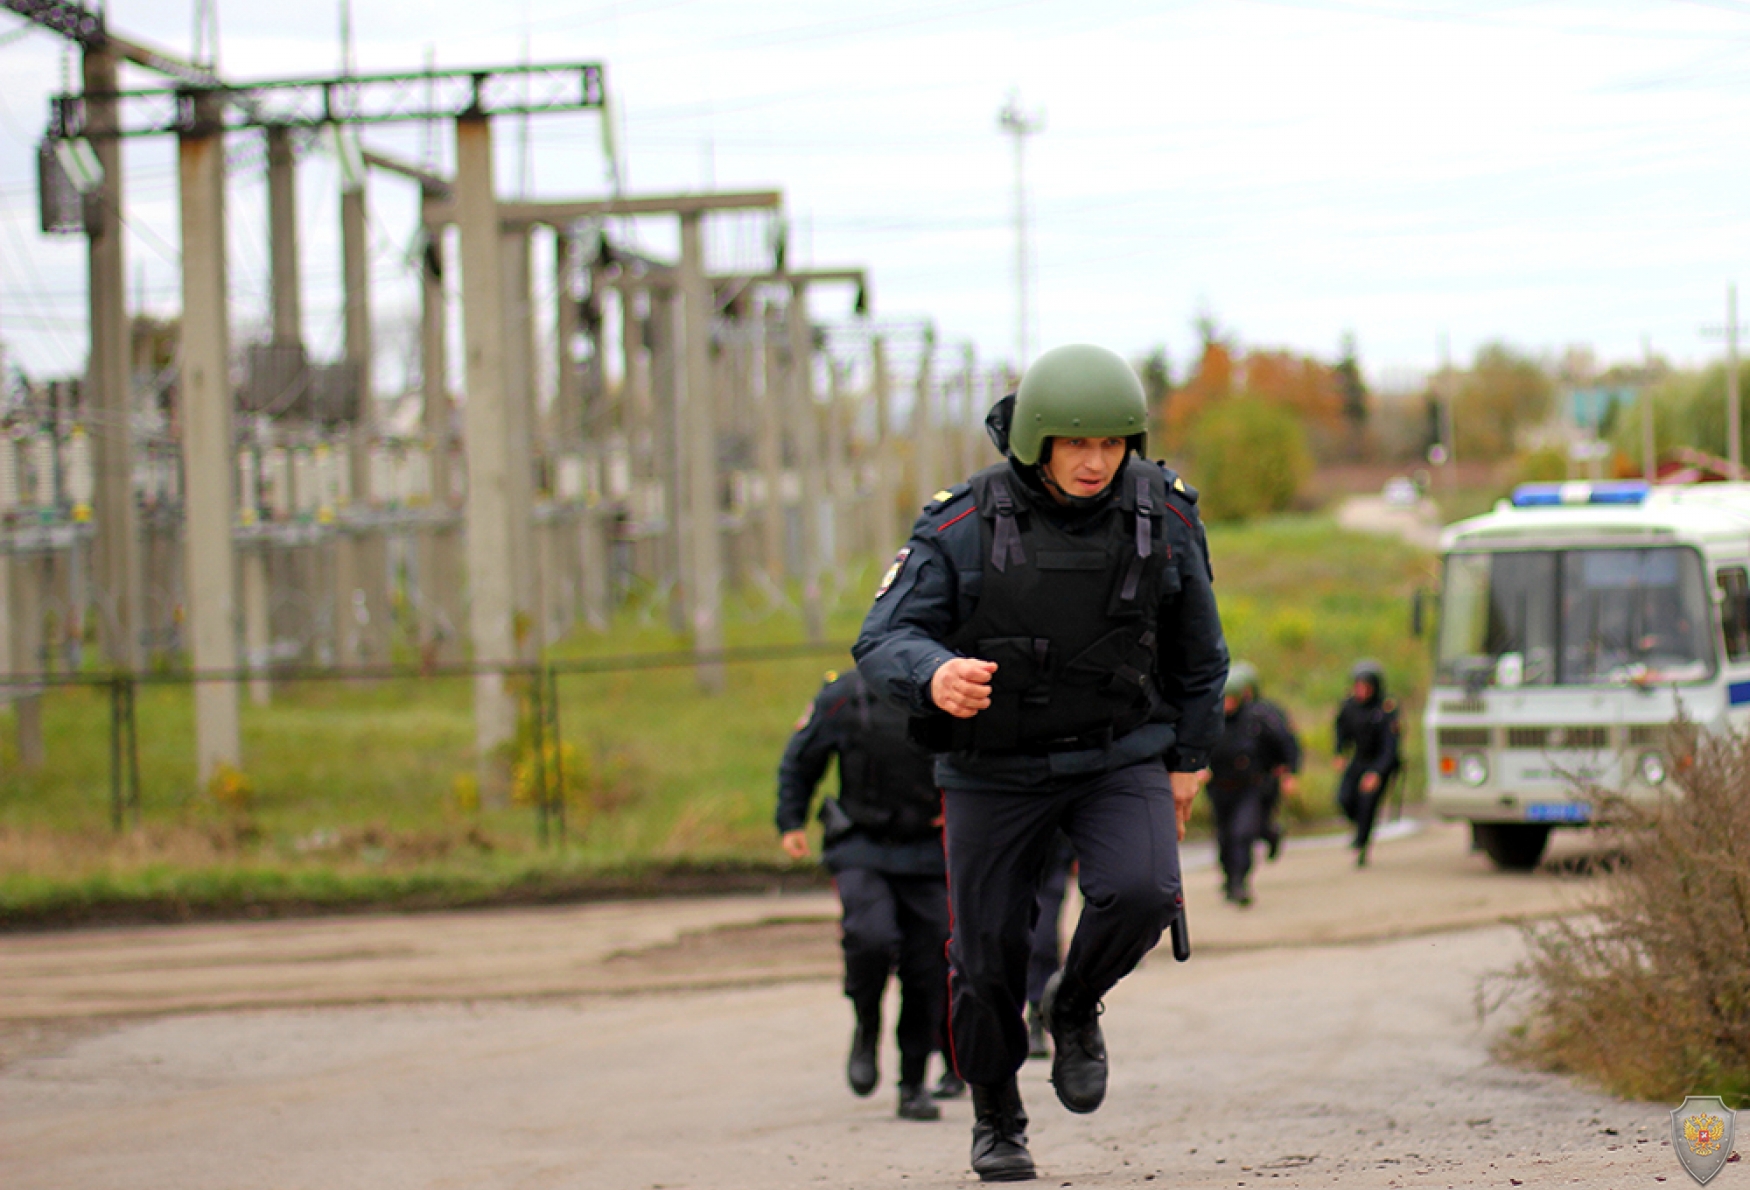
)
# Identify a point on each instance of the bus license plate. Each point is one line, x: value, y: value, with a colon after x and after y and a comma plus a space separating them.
x: 1558, y: 812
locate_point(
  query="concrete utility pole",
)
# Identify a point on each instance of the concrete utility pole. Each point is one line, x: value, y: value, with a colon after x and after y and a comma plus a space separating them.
x: 491, y: 605
x: 209, y: 503
x: 1020, y: 127
x: 806, y: 430
x: 699, y: 429
x: 769, y: 449
x: 926, y: 445
x: 888, y: 529
x: 440, y: 579
x: 361, y: 561
x: 519, y: 410
x: 117, y: 545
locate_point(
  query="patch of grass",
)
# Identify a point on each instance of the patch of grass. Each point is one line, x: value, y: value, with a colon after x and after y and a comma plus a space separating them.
x: 1649, y: 996
x: 1303, y: 600
x: 363, y: 791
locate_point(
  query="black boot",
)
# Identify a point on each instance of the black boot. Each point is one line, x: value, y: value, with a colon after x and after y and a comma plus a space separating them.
x: 999, y: 1134
x: 950, y: 1085
x: 1036, y: 1047
x: 1078, y: 1065
x: 915, y: 1103
x: 860, y: 1068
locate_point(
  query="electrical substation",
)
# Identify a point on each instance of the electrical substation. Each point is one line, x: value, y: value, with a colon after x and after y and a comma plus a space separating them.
x: 239, y: 510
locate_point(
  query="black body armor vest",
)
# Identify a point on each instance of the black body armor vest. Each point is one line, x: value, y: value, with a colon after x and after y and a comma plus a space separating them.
x: 1068, y: 618
x: 887, y: 783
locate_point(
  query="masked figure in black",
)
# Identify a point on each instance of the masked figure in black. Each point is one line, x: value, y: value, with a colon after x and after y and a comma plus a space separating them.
x: 1367, y: 730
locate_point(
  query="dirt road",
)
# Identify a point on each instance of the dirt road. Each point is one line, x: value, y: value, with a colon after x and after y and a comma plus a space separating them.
x: 1327, y: 1036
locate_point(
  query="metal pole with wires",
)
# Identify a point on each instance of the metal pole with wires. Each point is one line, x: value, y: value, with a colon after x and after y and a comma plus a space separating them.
x: 1020, y: 126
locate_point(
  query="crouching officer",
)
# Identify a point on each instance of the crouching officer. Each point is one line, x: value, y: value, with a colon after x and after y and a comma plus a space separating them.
x: 882, y: 841
x: 1366, y: 729
x: 1256, y: 754
x: 1052, y: 626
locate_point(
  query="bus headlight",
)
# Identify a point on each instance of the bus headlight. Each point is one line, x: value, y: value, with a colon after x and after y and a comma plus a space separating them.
x: 1651, y: 767
x: 1473, y: 769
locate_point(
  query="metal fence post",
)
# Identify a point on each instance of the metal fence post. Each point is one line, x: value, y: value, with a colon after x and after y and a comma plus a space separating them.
x: 131, y: 689
x: 552, y: 677
x: 538, y: 707
x: 115, y: 753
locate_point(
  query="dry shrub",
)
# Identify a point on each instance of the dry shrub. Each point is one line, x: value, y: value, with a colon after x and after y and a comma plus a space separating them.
x: 1649, y: 995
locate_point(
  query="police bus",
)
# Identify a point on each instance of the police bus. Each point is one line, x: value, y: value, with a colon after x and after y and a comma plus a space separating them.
x: 1577, y: 622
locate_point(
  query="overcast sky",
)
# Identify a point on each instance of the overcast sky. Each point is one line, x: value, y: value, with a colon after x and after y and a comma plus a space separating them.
x: 1412, y: 172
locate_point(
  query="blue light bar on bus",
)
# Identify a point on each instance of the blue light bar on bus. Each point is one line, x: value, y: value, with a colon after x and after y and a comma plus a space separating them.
x: 1617, y: 491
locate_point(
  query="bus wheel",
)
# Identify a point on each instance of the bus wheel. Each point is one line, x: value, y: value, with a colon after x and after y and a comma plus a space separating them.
x: 1513, y: 846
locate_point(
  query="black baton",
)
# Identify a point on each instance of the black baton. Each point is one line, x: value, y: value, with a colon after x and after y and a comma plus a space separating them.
x: 1181, y: 933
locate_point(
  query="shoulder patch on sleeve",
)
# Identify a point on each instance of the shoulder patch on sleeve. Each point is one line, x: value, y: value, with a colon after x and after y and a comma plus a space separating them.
x: 805, y: 718
x: 887, y: 579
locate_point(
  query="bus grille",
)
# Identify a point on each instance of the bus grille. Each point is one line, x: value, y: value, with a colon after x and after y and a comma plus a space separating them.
x: 1558, y: 737
x: 1647, y: 733
x: 1463, y: 737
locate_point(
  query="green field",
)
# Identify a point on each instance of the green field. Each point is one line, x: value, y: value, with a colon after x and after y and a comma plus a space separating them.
x: 363, y: 792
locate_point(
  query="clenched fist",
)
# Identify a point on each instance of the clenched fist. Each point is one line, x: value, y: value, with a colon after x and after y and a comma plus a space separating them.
x: 961, y: 686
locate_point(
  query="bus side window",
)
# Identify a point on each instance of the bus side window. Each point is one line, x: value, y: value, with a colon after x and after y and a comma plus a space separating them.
x: 1735, y: 611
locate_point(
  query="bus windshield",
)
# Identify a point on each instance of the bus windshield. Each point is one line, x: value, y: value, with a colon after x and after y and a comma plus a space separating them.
x: 1575, y: 618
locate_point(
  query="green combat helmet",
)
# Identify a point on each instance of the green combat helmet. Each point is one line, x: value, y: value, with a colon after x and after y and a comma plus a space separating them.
x: 1242, y: 679
x: 1078, y: 391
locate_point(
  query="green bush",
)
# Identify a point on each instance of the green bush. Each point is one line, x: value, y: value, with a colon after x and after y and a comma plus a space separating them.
x: 1251, y: 459
x: 1546, y: 464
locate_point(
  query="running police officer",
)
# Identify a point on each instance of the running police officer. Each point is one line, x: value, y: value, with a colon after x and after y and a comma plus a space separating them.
x: 1367, y: 729
x: 1052, y: 625
x: 1256, y: 753
x: 882, y: 840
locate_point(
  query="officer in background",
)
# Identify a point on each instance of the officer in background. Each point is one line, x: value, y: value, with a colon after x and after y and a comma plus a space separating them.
x: 1257, y: 753
x: 1367, y: 729
x: 882, y: 840
x: 1052, y: 625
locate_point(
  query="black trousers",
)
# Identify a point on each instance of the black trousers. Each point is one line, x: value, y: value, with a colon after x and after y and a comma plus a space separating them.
x: 1125, y: 836
x: 1045, y: 951
x: 1239, y: 824
x: 897, y: 923
x: 1360, y: 808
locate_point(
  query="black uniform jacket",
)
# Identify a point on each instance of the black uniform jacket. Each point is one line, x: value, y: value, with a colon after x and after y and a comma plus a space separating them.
x: 1368, y: 731
x: 934, y: 585
x: 1255, y: 742
x: 827, y: 730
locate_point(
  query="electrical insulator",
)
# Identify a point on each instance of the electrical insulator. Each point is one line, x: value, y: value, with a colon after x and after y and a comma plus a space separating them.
x: 327, y: 484
x: 305, y: 498
x: 42, y: 464
x: 276, y: 481
x: 8, y: 475
x: 248, y: 488
x: 340, y: 489
x: 81, y: 481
